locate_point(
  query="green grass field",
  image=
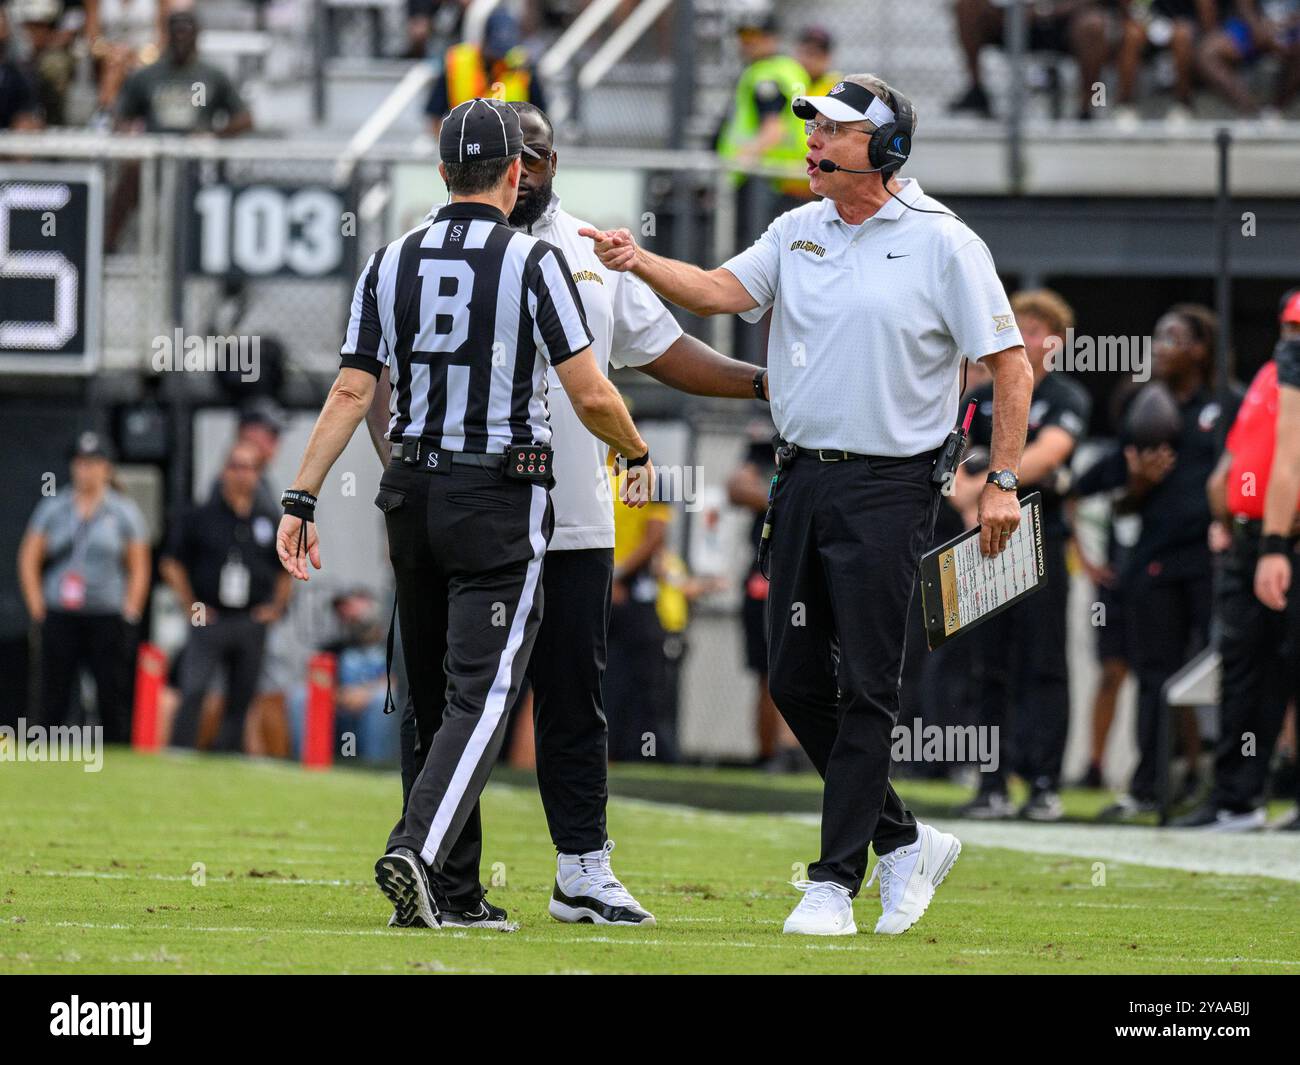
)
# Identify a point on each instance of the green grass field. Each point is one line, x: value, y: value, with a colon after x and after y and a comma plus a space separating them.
x: 101, y: 873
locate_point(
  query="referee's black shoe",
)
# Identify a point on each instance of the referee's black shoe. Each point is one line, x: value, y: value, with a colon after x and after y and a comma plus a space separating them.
x: 402, y: 877
x: 484, y: 915
x: 481, y: 915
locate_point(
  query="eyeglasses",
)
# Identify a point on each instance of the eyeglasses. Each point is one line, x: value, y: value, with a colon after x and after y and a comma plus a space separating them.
x: 829, y: 129
x: 536, y: 157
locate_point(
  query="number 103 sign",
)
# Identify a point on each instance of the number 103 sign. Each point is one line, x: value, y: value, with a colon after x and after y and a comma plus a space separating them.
x: 267, y: 230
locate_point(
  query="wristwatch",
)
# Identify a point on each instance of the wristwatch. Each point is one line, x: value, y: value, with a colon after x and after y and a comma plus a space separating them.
x: 1004, y: 479
x: 758, y: 385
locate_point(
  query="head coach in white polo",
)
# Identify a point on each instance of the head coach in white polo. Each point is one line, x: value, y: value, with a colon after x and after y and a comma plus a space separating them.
x: 877, y: 293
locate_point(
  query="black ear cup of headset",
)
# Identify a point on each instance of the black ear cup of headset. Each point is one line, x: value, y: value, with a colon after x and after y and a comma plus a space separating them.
x: 891, y: 144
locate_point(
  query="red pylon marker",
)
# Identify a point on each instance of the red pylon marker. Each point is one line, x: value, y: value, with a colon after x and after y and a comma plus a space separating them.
x: 150, y: 674
x: 318, y: 734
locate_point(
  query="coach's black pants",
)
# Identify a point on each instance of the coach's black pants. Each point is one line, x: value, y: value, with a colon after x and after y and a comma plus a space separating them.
x: 466, y: 547
x: 1261, y: 672
x: 1020, y: 671
x: 569, y: 728
x: 846, y: 542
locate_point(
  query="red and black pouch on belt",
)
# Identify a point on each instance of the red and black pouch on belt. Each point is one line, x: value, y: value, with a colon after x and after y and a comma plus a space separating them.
x: 530, y: 462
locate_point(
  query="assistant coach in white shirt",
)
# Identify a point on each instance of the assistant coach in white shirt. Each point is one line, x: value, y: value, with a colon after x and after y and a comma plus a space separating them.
x: 877, y: 292
x: 630, y: 327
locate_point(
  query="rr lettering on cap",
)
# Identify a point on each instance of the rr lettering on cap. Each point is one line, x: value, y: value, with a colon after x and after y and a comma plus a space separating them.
x: 471, y: 149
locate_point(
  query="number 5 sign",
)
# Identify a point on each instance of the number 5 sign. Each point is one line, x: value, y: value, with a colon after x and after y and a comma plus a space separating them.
x: 266, y: 230
x: 51, y: 262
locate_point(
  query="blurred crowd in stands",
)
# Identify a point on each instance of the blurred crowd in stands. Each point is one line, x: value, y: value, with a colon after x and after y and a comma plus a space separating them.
x: 1187, y: 44
x: 1244, y: 52
x: 142, y: 56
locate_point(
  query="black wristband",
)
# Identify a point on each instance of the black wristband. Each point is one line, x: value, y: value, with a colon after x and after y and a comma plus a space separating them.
x: 633, y: 463
x: 299, y: 504
x: 758, y: 385
x: 1273, y: 544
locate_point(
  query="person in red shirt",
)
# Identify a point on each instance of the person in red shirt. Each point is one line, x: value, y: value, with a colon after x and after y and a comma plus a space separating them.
x: 1256, y: 488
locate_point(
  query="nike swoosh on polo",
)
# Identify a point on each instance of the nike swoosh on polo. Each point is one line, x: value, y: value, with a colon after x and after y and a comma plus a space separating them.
x: 891, y: 255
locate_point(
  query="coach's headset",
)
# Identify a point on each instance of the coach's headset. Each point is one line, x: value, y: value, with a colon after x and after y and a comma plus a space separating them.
x: 891, y: 144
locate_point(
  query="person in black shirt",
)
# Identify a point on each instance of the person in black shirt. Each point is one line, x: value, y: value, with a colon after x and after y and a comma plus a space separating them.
x: 1166, y: 576
x: 222, y: 564
x: 1020, y: 664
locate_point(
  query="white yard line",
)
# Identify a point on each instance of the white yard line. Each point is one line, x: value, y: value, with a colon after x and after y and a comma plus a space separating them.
x: 629, y: 940
x: 1272, y: 854
x: 1224, y: 854
x: 91, y: 874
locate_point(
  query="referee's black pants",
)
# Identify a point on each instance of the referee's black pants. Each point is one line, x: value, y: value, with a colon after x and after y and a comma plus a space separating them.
x: 467, y: 546
x: 1261, y: 673
x: 847, y: 539
x: 569, y: 725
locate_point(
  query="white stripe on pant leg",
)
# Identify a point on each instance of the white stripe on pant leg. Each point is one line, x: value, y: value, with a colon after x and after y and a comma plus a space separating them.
x: 495, y: 705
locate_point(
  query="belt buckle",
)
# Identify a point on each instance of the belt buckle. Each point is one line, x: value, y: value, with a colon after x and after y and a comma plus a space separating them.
x: 835, y: 456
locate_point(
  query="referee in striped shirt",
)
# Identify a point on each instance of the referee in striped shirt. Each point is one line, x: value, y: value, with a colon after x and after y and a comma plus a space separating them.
x: 467, y: 314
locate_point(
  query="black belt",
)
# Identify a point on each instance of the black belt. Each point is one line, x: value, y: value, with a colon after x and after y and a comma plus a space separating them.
x: 410, y: 453
x: 829, y: 455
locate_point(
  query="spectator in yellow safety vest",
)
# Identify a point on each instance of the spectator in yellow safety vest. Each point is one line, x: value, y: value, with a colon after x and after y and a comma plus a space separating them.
x: 500, y: 68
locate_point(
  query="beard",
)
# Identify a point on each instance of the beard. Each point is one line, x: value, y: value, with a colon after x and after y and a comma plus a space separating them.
x: 530, y: 207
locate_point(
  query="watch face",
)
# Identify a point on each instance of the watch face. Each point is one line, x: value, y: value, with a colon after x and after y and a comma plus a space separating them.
x: 1006, y: 480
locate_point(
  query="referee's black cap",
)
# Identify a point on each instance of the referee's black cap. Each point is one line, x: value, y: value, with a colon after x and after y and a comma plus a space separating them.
x: 481, y: 129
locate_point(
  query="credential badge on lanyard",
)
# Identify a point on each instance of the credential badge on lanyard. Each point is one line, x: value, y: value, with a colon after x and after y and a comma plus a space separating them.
x: 233, y: 586
x: 72, y: 585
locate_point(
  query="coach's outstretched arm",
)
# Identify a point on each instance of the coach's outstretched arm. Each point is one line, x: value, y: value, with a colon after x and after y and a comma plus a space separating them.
x: 344, y: 409
x: 702, y: 292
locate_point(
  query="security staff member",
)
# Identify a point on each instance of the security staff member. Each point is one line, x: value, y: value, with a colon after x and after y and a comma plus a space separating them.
x: 876, y: 293
x: 1257, y: 486
x: 761, y: 129
x: 468, y: 314
x: 1020, y: 665
x: 221, y: 559
x: 630, y: 327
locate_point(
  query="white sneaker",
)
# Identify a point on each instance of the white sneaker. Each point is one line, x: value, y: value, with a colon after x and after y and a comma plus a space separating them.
x: 1127, y: 117
x: 1228, y: 821
x: 909, y: 875
x: 587, y: 891
x: 826, y: 909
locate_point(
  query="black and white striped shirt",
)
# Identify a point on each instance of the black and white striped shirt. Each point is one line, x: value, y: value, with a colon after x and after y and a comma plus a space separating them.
x: 466, y: 312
